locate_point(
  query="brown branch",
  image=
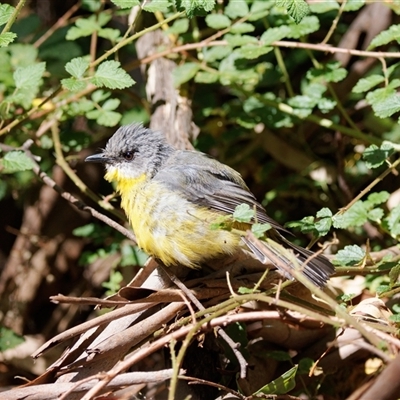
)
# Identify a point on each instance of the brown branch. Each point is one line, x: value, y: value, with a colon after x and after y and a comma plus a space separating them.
x: 80, y: 205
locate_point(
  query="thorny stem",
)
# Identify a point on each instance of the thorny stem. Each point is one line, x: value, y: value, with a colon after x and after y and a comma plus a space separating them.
x: 14, y: 16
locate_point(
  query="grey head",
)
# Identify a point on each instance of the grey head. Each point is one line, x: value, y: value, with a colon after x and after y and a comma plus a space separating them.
x: 134, y: 150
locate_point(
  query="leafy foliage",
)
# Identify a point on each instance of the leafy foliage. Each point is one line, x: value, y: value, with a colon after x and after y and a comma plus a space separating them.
x: 273, y: 97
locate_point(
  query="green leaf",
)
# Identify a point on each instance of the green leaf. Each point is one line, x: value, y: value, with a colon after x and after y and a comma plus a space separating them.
x: 376, y: 198
x: 349, y: 256
x: 236, y: 9
x: 158, y: 5
x: 206, y: 77
x: 273, y: 34
x: 179, y: 26
x: 385, y: 37
x: 6, y: 11
x: 243, y: 27
x: 308, y: 25
x: 85, y: 230
x: 239, y: 40
x: 31, y: 76
x: 197, y: 7
x: 365, y: 84
x: 330, y: 72
x: 353, y: 5
x: 375, y: 214
x: 111, y: 34
x: 375, y: 157
x: 216, y: 53
x: 218, y: 21
x: 282, y: 385
x: 112, y: 76
x: 6, y: 38
x: 104, y: 117
x: 260, y: 9
x: 393, y: 221
x: 243, y: 213
x: 73, y: 84
x: 320, y: 7
x: 356, y: 215
x: 253, y: 51
x: 297, y: 9
x: 126, y: 3
x: 9, y: 339
x: 77, y: 67
x: 15, y: 161
x: 184, y: 73
x: 111, y: 104
x: 260, y: 229
x: 388, y: 106
x: 84, y: 27
x: 324, y: 213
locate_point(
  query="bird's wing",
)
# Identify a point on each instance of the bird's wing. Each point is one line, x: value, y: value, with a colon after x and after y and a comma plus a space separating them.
x: 209, y: 183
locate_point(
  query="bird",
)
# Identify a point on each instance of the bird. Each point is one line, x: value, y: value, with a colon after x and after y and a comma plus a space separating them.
x: 172, y: 197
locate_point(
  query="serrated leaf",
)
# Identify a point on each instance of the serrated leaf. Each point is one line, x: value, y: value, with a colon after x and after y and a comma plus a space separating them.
x: 375, y: 214
x: 77, y: 67
x: 393, y: 221
x: 324, y: 213
x: 15, y: 161
x: 356, y: 215
x: 260, y: 229
x: 387, y: 106
x: 184, y: 73
x: 308, y: 25
x: 6, y: 38
x: 126, y: 3
x: 330, y: 72
x: 110, y: 75
x: 30, y: 76
x: 282, y: 385
x: 73, y: 84
x: 218, y: 21
x: 376, y: 198
x: 236, y: 9
x: 385, y: 37
x: 252, y: 51
x: 297, y: 9
x: 365, y: 84
x: 6, y: 11
x: 273, y: 34
x: 323, y: 226
x: 9, y: 339
x: 197, y: 7
x: 243, y: 213
x: 350, y: 255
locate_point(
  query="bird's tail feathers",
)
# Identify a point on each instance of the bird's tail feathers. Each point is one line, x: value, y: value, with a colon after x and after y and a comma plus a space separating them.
x: 287, y: 256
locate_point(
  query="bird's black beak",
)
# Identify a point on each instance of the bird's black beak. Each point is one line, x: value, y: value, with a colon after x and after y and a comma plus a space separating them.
x: 98, y: 158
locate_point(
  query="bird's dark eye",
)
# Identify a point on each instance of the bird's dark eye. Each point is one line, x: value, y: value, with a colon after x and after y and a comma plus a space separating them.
x: 128, y: 155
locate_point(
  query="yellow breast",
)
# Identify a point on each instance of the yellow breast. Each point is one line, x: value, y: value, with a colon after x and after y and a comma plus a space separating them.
x: 170, y: 227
